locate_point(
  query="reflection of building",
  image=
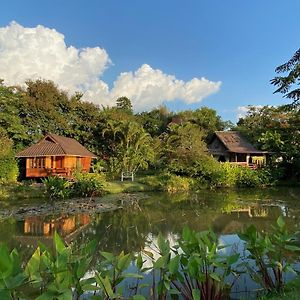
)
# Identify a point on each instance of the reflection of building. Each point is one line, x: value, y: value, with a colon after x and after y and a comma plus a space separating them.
x: 34, y: 229
x: 261, y: 212
x: 232, y: 147
x: 55, y: 155
x: 235, y: 220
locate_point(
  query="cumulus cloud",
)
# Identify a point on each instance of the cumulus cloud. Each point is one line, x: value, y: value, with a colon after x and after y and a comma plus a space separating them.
x: 148, y: 88
x: 40, y: 52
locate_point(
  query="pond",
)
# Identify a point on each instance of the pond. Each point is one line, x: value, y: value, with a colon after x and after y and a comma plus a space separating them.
x: 134, y: 227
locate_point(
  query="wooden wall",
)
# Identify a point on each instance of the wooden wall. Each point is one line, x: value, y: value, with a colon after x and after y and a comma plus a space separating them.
x: 52, y: 166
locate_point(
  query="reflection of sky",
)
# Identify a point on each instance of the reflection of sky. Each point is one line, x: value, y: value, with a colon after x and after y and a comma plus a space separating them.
x: 128, y: 229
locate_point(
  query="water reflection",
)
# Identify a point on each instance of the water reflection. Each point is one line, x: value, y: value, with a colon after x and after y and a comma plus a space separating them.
x: 64, y: 225
x: 133, y: 228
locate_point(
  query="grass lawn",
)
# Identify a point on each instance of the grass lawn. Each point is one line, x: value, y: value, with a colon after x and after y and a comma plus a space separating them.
x: 115, y: 187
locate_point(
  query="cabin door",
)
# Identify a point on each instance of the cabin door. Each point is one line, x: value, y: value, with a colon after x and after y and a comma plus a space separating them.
x: 59, y: 162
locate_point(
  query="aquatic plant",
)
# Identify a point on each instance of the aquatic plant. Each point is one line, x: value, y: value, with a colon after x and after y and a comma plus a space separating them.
x: 196, y: 267
x: 272, y: 253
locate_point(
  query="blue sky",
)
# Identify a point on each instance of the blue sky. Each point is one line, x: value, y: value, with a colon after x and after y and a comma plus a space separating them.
x: 236, y: 42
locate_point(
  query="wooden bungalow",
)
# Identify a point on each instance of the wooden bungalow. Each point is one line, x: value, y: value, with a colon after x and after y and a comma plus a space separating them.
x: 232, y: 147
x: 55, y: 155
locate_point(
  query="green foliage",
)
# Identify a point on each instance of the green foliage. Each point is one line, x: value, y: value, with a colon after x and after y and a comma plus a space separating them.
x: 12, y: 277
x: 205, y: 118
x: 196, y: 267
x: 57, y: 187
x: 84, y: 185
x: 275, y: 129
x: 168, y: 182
x: 155, y: 122
x: 284, y: 84
x: 111, y: 273
x: 8, y: 165
x: 273, y: 254
x: 182, y: 146
x: 132, y: 150
x: 208, y: 173
x: 124, y: 104
x: 88, y: 184
x: 172, y: 183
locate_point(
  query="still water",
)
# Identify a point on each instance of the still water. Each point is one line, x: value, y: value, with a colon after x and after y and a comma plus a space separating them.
x: 134, y: 227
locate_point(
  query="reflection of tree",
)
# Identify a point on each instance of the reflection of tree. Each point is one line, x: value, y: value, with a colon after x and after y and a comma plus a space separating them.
x: 129, y: 228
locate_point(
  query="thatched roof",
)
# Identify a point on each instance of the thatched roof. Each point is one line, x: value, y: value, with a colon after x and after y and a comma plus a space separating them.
x: 235, y: 142
x: 55, y: 145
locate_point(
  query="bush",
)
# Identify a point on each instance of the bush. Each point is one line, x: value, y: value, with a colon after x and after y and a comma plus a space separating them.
x: 57, y: 187
x: 8, y: 166
x: 88, y: 184
x: 169, y: 182
x: 211, y: 173
x: 173, y: 183
x: 247, y: 177
x: 8, y: 169
x: 207, y: 171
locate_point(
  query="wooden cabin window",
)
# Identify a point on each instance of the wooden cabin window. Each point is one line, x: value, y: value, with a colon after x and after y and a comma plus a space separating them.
x: 37, y: 162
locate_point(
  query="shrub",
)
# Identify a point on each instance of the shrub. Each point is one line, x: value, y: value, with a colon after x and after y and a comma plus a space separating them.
x: 215, y: 174
x: 247, y: 177
x: 173, y: 183
x: 8, y: 169
x: 88, y: 184
x: 57, y: 187
x: 169, y: 182
x: 208, y: 171
x: 8, y: 166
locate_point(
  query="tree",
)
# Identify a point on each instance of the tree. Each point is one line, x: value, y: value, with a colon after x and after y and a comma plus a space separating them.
x: 123, y: 103
x: 10, y: 121
x: 155, y: 121
x: 207, y: 120
x: 286, y: 85
x: 277, y: 130
x: 8, y: 164
x: 132, y: 148
x: 183, y: 145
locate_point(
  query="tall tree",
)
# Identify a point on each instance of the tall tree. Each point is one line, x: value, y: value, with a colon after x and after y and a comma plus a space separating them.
x: 287, y: 85
x: 277, y: 130
x: 124, y: 104
x: 183, y: 145
x: 155, y: 121
x: 206, y: 118
x: 10, y: 115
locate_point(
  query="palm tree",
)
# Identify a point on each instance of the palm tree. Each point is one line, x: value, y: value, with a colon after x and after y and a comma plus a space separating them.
x: 133, y: 145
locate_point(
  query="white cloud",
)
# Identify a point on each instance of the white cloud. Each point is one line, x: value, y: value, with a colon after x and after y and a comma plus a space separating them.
x: 40, y: 52
x: 148, y: 88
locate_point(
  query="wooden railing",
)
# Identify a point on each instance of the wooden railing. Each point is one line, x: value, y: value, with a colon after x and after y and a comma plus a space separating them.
x: 44, y: 172
x: 244, y: 164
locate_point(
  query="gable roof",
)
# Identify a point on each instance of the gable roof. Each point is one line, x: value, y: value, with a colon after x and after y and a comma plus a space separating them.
x: 235, y: 142
x: 55, y: 145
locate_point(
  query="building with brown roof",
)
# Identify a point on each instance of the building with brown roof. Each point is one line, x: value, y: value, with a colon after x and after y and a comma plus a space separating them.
x: 55, y: 155
x: 232, y: 147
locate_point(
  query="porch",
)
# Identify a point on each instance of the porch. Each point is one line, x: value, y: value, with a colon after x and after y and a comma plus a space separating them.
x: 45, y: 172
